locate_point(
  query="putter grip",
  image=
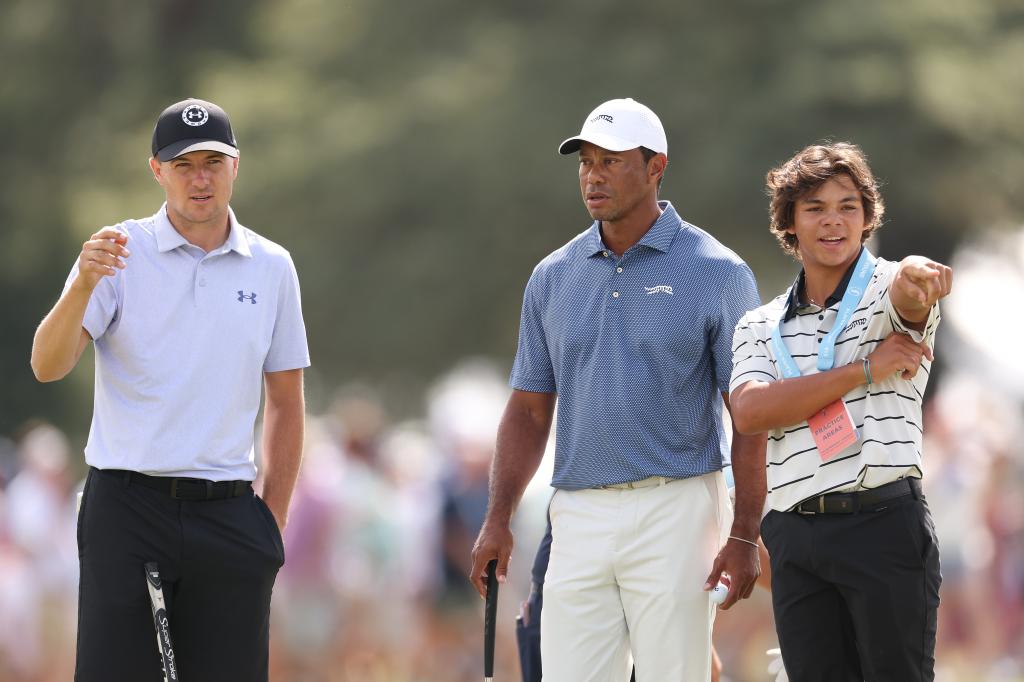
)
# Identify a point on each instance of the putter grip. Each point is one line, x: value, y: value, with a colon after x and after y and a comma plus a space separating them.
x: 490, y: 617
x: 160, y: 622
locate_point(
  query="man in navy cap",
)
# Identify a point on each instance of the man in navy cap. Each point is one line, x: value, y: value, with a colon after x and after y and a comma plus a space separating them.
x: 194, y: 318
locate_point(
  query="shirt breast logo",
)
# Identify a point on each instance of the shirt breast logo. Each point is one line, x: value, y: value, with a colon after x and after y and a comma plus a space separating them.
x: 856, y: 323
x: 242, y: 297
x: 660, y: 289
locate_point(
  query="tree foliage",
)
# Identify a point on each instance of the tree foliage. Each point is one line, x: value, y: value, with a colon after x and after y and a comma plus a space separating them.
x: 405, y: 152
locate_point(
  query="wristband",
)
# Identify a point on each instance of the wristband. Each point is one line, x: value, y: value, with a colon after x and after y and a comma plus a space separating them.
x: 866, y: 365
x: 749, y: 542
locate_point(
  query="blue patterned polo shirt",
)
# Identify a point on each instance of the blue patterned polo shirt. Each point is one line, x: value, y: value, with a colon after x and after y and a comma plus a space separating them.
x: 638, y: 349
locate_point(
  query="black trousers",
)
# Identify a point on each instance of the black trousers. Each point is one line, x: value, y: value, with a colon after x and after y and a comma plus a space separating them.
x: 856, y: 595
x: 218, y: 560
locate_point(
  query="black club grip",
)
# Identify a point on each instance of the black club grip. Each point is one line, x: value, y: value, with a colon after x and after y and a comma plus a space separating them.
x: 490, y: 618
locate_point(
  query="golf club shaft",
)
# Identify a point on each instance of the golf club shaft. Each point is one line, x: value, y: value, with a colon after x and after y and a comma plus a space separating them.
x: 160, y: 622
x: 490, y: 619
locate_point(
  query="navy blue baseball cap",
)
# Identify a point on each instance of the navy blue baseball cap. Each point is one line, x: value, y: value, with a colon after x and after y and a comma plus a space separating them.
x: 193, y: 125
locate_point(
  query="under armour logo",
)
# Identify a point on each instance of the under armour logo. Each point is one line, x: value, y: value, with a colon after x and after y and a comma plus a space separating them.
x: 242, y: 296
x: 195, y: 115
x: 603, y: 117
x: 660, y: 289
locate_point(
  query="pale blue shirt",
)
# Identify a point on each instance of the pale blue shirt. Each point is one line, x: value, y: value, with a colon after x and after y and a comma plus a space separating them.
x: 182, y: 340
x: 638, y: 349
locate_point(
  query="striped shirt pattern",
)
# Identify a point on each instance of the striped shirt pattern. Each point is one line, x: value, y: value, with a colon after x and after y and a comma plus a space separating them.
x: 638, y: 349
x: 887, y: 414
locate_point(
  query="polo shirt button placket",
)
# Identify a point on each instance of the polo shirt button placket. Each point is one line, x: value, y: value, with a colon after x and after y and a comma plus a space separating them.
x: 200, y: 279
x: 618, y: 269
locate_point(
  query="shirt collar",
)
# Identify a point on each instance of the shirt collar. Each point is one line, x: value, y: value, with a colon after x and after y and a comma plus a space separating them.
x: 660, y: 235
x: 239, y: 244
x: 793, y: 300
x: 168, y: 238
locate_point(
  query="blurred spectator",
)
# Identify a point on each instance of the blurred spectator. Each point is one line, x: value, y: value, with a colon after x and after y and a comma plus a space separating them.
x: 465, y: 409
x: 383, y: 513
x: 38, y: 507
x: 20, y: 601
x: 38, y: 568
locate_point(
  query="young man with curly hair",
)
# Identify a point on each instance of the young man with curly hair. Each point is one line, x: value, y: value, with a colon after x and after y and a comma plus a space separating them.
x: 835, y: 369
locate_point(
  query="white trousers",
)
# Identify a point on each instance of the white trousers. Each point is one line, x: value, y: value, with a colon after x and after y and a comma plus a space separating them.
x: 625, y: 581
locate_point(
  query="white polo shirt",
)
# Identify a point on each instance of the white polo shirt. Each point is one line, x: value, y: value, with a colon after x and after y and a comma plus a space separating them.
x: 182, y: 340
x: 887, y: 414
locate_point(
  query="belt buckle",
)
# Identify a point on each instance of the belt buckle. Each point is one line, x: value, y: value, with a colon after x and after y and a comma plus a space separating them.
x: 812, y: 512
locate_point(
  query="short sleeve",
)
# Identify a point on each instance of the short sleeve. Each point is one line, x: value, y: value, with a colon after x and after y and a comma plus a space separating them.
x: 927, y: 335
x: 288, y: 349
x: 104, y: 303
x: 739, y: 295
x: 532, y: 369
x: 750, y: 360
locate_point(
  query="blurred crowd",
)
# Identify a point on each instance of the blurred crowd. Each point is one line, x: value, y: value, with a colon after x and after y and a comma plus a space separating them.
x: 381, y: 527
x: 384, y: 516
x: 385, y: 513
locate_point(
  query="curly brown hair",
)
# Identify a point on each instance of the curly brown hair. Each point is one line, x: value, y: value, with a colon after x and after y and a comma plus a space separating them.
x: 805, y: 172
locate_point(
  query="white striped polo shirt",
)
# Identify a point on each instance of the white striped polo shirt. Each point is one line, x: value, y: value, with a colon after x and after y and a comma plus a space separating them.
x: 887, y: 413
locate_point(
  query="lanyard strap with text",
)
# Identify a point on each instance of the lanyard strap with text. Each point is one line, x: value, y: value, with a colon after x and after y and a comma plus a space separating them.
x: 851, y: 299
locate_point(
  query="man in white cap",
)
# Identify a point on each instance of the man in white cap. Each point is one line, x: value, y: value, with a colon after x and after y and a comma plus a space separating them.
x: 191, y: 315
x: 629, y: 326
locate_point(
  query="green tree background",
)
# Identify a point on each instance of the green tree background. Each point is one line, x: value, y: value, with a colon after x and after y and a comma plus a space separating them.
x: 405, y: 152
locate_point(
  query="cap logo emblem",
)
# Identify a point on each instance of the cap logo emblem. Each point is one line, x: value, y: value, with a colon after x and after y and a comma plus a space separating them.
x: 195, y: 115
x: 603, y: 117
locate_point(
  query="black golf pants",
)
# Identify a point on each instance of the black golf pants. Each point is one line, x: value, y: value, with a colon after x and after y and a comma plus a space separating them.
x: 218, y: 560
x: 856, y: 595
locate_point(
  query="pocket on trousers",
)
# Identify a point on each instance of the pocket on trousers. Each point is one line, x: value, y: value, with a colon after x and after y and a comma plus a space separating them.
x: 528, y: 642
x: 766, y: 523
x: 80, y: 520
x: 275, y: 531
x: 917, y: 521
x: 554, y: 505
x: 718, y: 496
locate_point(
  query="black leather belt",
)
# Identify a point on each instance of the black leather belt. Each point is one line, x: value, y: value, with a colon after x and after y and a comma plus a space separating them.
x: 862, y: 500
x: 181, y: 488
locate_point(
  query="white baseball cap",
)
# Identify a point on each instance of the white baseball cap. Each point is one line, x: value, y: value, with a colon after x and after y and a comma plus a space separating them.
x: 619, y: 125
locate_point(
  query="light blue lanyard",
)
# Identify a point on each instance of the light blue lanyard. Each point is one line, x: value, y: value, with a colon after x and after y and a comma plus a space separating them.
x: 851, y: 299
